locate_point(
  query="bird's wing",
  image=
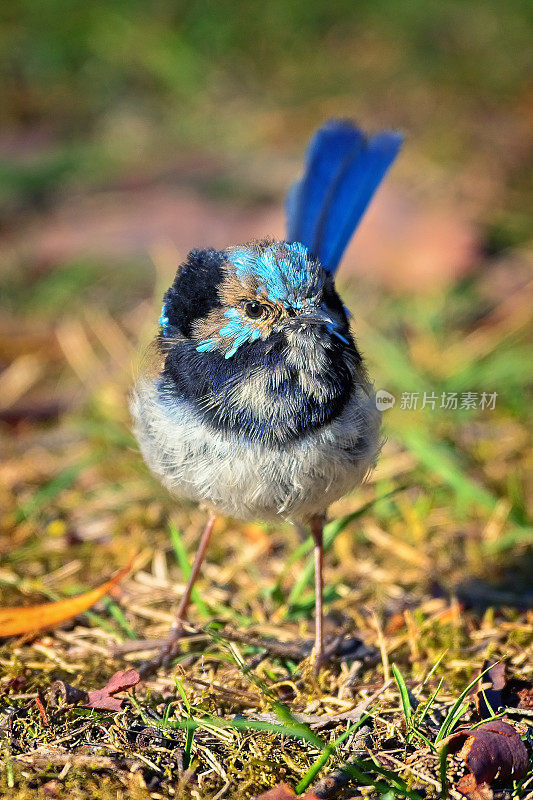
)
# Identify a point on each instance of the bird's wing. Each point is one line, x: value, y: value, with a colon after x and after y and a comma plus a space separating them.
x: 343, y: 169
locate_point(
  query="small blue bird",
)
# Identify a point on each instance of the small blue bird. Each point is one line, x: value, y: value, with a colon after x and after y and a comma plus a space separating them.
x: 257, y: 403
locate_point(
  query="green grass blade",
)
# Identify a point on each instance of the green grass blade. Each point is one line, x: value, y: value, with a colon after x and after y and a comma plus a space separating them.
x: 404, y: 697
x: 362, y: 773
x: 457, y: 710
x: 295, y: 732
x: 328, y: 751
x: 118, y: 615
x: 189, y: 736
x: 444, y: 463
x: 181, y: 690
x: 433, y: 669
x: 47, y: 493
x: 431, y: 701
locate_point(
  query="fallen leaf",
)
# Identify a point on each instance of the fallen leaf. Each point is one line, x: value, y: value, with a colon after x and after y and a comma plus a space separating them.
x: 488, y: 697
x: 30, y: 619
x: 279, y: 792
x: 284, y: 792
x: 104, y: 700
x: 101, y: 699
x: 496, y: 690
x: 493, y: 752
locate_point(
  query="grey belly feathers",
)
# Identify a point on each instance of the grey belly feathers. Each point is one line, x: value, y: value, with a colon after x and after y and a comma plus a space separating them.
x: 249, y: 479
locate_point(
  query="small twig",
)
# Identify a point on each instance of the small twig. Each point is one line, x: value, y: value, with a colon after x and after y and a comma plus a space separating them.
x: 296, y: 651
x: 42, y: 712
x: 73, y: 734
x: 253, y: 698
x: 60, y: 691
x: 518, y: 712
x: 45, y: 756
x: 281, y: 649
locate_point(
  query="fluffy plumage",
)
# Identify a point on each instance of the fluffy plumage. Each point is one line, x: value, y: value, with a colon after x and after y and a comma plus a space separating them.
x: 251, y: 479
x: 259, y: 403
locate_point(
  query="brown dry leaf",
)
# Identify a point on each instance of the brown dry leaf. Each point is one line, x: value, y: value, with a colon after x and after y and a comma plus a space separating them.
x: 30, y: 619
x: 495, y: 690
x: 104, y: 700
x: 284, y: 792
x: 493, y: 752
x: 101, y: 699
x: 488, y: 697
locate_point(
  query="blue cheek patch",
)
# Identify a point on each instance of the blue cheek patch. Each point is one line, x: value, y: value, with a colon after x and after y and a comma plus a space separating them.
x: 234, y: 329
x: 206, y: 345
x: 164, y: 320
x: 241, y: 338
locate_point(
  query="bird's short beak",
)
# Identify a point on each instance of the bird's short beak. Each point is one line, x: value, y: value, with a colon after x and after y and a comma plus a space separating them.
x: 305, y: 321
x: 309, y: 318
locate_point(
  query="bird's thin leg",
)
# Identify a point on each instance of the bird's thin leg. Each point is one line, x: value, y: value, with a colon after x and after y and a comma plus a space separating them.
x: 317, y: 527
x: 169, y: 649
x: 181, y: 613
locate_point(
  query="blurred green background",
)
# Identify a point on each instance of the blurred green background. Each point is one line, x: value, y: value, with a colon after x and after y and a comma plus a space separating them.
x: 91, y: 91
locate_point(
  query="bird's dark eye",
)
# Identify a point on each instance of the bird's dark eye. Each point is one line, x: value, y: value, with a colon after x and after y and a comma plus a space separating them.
x: 254, y: 310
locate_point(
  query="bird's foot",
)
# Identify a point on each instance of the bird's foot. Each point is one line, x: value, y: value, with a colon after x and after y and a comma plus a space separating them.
x: 338, y: 648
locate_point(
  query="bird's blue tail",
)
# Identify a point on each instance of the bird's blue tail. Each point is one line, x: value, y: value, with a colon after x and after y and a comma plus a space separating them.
x: 343, y: 170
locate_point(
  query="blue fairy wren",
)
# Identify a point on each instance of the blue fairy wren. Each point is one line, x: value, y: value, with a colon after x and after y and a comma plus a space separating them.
x: 257, y: 403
